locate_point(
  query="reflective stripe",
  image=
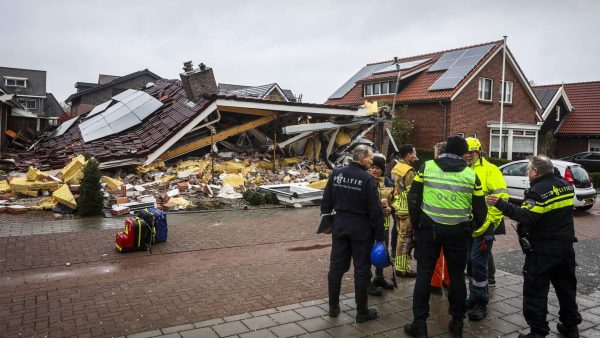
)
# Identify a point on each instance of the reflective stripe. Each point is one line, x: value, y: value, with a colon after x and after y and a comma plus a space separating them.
x: 444, y: 186
x: 498, y: 191
x: 448, y: 220
x: 478, y: 284
x: 447, y: 211
x: 458, y: 180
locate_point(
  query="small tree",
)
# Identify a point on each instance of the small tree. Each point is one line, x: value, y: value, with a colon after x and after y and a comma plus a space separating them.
x: 548, y: 143
x: 90, y: 199
x: 401, y: 127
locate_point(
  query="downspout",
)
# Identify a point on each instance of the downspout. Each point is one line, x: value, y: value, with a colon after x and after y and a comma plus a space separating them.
x: 445, y: 119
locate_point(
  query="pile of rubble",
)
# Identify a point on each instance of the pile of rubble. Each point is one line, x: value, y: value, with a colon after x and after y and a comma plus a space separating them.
x: 190, y: 184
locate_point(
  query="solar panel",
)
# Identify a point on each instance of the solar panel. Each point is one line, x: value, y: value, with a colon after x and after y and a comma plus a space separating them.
x: 99, y: 108
x: 459, y: 66
x: 128, y: 109
x: 403, y: 66
x: 361, y: 74
x: 63, y: 127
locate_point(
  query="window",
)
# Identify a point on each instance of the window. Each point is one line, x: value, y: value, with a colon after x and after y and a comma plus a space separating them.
x: 516, y: 143
x: 15, y: 82
x: 29, y: 104
x: 485, y: 89
x: 594, y: 144
x: 508, y: 86
x: 517, y: 169
x: 379, y: 88
x: 376, y: 87
x: 557, y: 113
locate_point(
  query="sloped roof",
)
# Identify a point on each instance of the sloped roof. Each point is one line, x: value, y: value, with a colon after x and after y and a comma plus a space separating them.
x: 585, y: 99
x: 253, y: 91
x: 136, y: 142
x: 417, y: 89
x: 112, y: 83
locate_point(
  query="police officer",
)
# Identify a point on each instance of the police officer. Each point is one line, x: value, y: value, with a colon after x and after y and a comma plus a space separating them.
x: 445, y: 195
x: 546, y: 222
x: 352, y: 192
x: 492, y: 183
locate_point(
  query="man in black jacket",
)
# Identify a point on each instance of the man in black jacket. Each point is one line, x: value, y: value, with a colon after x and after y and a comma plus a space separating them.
x: 445, y: 197
x: 547, y: 235
x: 353, y: 193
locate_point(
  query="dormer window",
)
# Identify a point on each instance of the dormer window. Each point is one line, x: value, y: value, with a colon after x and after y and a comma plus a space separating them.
x: 379, y: 88
x: 10, y: 81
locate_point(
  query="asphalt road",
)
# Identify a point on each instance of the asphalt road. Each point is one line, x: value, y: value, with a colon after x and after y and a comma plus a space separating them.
x: 586, y: 253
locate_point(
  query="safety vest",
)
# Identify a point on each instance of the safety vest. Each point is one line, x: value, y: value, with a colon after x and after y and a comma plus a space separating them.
x: 447, y: 195
x: 401, y: 197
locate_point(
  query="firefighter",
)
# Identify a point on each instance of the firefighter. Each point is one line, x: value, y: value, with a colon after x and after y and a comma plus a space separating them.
x: 444, y: 199
x: 352, y: 192
x: 377, y: 170
x: 546, y: 234
x: 403, y: 175
x: 492, y: 183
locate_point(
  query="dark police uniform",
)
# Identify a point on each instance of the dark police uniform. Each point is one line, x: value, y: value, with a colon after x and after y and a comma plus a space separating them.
x: 353, y: 193
x: 444, y: 197
x: 547, y: 216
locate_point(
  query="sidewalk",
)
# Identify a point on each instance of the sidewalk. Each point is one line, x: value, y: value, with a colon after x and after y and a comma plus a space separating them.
x: 310, y: 319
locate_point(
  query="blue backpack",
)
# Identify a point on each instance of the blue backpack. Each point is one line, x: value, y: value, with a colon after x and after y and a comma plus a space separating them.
x: 160, y: 222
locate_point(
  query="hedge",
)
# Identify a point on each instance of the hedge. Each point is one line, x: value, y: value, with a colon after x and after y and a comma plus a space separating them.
x: 595, y: 179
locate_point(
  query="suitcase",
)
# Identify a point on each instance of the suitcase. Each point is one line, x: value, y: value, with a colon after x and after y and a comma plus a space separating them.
x: 137, y: 236
x: 150, y: 219
x: 160, y: 223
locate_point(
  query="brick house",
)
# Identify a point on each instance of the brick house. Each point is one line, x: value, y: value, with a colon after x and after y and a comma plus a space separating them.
x: 29, y: 86
x: 89, y: 95
x: 572, y: 115
x: 455, y: 92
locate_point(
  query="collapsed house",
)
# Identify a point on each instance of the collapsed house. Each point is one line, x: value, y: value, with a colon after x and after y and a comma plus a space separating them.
x: 174, y: 120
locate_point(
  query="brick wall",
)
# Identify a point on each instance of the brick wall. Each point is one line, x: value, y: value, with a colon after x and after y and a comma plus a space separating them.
x: 566, y: 146
x: 468, y: 115
x: 429, y: 124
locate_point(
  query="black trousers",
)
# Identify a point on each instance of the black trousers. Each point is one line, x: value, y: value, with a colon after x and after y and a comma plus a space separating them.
x: 549, y: 264
x: 344, y: 249
x: 428, y: 243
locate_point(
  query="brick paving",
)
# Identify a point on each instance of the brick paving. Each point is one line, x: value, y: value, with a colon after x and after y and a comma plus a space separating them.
x: 256, y: 273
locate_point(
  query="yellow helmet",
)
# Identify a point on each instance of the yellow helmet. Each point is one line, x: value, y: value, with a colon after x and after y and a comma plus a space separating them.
x: 473, y: 144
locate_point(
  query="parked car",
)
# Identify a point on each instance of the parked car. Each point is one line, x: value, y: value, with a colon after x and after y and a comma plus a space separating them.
x: 589, y: 160
x: 517, y: 181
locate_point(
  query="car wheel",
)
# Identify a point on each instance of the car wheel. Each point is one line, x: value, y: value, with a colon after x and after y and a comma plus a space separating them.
x: 587, y: 207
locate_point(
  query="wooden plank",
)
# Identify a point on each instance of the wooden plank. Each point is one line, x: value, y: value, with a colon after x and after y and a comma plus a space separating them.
x: 197, y: 144
x: 243, y: 110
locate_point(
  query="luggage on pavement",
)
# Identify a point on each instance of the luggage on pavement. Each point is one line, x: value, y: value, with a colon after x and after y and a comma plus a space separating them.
x: 136, y: 237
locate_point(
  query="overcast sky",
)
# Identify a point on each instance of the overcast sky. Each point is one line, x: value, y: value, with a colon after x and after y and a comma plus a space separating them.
x: 310, y: 47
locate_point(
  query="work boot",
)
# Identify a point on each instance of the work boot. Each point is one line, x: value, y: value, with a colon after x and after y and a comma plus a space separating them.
x: 477, y: 312
x: 363, y: 313
x: 418, y: 329
x: 374, y: 291
x: 568, y: 331
x: 334, y: 298
x: 531, y: 335
x: 334, y: 310
x: 382, y: 283
x: 406, y: 274
x: 491, y: 282
x: 456, y: 327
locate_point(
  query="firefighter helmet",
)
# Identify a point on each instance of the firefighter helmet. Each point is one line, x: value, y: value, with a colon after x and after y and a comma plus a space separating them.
x: 473, y: 144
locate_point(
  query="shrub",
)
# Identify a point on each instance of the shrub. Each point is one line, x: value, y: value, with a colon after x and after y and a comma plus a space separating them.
x: 90, y: 199
x: 497, y: 161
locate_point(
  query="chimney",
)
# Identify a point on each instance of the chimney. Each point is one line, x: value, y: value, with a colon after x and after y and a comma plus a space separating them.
x: 197, y: 82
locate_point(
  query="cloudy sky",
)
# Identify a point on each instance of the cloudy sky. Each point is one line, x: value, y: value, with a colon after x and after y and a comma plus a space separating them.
x: 310, y: 47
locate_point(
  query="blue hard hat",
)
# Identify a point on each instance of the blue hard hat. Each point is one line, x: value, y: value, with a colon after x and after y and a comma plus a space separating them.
x: 379, y: 256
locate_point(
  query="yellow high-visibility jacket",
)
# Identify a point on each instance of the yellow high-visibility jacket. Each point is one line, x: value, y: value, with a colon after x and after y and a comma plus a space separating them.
x: 403, y: 175
x: 493, y: 183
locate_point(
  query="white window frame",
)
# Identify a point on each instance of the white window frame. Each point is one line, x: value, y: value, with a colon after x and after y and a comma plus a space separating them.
x: 461, y: 135
x: 370, y: 87
x: 509, y: 134
x: 594, y: 144
x: 481, y: 92
x: 15, y: 79
x: 508, y: 92
x: 390, y: 88
x: 26, y: 102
